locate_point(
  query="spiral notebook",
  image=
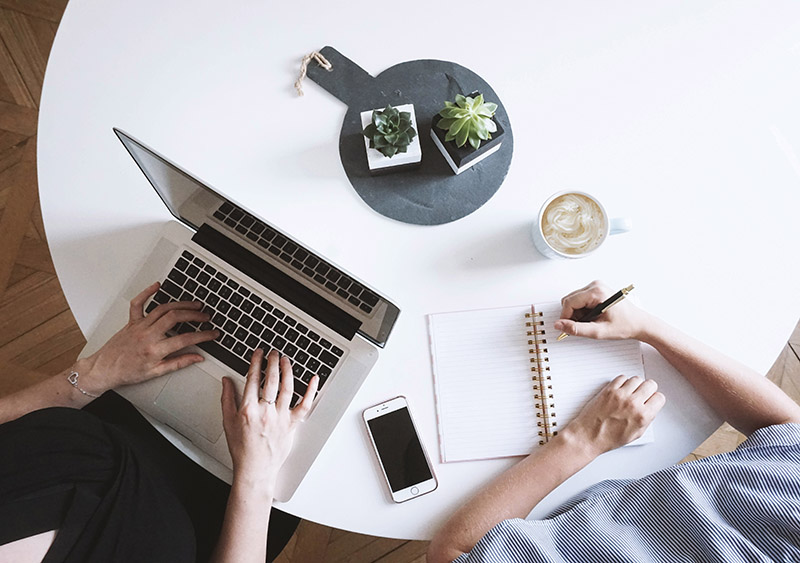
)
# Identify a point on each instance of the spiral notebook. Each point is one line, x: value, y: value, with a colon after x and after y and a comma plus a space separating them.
x: 504, y: 384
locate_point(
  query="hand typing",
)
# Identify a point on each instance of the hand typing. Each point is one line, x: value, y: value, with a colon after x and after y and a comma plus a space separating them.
x: 260, y: 431
x: 141, y: 350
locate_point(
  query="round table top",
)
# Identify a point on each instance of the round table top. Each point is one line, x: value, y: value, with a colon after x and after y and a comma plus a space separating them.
x: 683, y: 118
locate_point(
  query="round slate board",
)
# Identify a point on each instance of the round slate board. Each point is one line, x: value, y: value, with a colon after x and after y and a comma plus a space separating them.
x: 430, y: 194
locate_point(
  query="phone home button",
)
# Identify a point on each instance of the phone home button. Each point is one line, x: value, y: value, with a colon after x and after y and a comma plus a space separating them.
x: 414, y: 490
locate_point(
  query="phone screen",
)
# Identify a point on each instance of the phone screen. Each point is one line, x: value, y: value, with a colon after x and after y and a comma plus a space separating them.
x: 399, y: 449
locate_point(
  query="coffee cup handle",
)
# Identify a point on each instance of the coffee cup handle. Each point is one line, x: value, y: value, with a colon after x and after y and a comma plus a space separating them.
x: 620, y: 225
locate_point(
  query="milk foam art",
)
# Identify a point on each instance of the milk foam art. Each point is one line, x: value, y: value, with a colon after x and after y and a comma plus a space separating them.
x: 573, y: 224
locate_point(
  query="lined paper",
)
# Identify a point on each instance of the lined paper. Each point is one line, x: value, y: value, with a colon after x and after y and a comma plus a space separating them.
x: 484, y: 384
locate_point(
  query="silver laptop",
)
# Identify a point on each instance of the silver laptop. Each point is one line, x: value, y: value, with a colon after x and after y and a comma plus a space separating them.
x: 262, y: 288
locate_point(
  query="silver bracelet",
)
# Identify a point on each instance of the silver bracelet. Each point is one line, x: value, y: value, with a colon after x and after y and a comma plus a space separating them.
x: 73, y: 380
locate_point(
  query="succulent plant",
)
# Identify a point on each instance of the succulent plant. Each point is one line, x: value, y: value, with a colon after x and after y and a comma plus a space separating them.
x: 390, y: 131
x: 468, y: 119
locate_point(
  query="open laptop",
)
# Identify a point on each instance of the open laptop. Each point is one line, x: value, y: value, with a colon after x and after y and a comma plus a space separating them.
x: 262, y: 288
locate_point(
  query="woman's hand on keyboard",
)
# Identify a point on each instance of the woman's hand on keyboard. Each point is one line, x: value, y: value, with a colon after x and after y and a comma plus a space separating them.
x: 260, y: 429
x: 141, y: 350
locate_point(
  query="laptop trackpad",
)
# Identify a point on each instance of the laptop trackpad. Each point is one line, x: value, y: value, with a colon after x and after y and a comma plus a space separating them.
x: 192, y: 396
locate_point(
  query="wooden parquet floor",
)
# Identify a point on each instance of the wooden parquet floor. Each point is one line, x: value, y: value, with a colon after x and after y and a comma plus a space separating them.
x: 38, y: 334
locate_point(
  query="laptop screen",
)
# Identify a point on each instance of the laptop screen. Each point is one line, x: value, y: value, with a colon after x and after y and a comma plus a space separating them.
x: 196, y: 205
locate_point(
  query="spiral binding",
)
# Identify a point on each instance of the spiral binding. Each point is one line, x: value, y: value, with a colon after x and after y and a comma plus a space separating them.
x: 541, y: 380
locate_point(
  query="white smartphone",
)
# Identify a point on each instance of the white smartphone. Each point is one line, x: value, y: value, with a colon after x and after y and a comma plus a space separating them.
x: 404, y: 461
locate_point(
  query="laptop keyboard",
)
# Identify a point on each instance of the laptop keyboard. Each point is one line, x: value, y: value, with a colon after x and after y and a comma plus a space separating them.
x: 297, y: 257
x: 246, y: 322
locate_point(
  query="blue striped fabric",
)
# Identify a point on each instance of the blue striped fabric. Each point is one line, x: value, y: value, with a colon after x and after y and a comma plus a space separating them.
x: 738, y: 506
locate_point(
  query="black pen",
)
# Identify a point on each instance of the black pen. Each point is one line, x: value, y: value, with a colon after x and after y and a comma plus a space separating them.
x: 601, y: 308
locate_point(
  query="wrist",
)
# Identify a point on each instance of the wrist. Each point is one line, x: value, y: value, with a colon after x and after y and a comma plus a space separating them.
x: 580, y: 443
x: 652, y: 330
x: 262, y: 486
x: 88, y: 381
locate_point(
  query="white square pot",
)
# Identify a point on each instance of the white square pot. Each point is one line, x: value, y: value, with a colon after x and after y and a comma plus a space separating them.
x: 377, y: 161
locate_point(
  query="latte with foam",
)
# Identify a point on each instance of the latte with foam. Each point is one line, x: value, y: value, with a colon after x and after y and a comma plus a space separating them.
x: 573, y: 224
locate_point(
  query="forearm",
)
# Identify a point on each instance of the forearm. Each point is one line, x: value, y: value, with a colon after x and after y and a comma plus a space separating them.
x: 741, y: 396
x: 512, y: 495
x: 243, y: 537
x: 55, y: 391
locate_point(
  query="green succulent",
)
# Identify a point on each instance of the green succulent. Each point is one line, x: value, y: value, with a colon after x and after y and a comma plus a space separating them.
x: 468, y: 119
x: 390, y: 131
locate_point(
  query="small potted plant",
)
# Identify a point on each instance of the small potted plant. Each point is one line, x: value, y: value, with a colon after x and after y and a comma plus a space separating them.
x: 391, y: 138
x: 466, y: 132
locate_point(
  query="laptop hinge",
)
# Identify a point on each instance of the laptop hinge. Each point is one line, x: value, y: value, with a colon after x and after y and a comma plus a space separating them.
x: 276, y: 280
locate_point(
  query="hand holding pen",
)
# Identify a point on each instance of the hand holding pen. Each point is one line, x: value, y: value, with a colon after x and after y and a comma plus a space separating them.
x: 588, y: 312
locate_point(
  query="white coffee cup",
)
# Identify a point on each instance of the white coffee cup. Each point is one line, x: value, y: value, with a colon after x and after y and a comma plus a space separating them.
x: 573, y: 224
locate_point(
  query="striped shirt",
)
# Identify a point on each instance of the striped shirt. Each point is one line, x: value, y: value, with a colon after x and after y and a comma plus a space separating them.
x: 738, y: 506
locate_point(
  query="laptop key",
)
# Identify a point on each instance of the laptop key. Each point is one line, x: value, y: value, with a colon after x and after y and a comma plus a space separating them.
x: 292, y: 334
x: 369, y: 298
x: 225, y: 292
x: 190, y: 285
x: 328, y: 359
x: 151, y: 306
x: 240, y: 334
x: 186, y: 296
x: 161, y: 297
x: 203, y: 278
x: 186, y: 254
x: 239, y: 349
x: 278, y: 343
x: 182, y: 264
x: 366, y: 308
x: 223, y: 306
x: 301, y: 356
x: 281, y: 328
x: 258, y: 313
x: 337, y: 351
x: 192, y: 271
x: 251, y: 342
x: 325, y: 344
x: 201, y: 293
x: 248, y: 306
x: 300, y: 386
x: 212, y: 300
x: 177, y: 277
x: 170, y: 288
x: 290, y: 350
x: 313, y: 364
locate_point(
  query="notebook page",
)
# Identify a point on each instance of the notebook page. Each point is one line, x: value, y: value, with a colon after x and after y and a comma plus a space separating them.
x: 483, y: 384
x: 580, y: 367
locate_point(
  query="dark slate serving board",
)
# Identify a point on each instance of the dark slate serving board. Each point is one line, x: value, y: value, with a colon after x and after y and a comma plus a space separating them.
x: 430, y: 194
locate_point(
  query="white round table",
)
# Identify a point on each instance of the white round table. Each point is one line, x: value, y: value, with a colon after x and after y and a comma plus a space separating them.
x: 682, y: 117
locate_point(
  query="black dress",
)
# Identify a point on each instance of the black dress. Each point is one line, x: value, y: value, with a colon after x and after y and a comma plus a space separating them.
x: 115, y: 489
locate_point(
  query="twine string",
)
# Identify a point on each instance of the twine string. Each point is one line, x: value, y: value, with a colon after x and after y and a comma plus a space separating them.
x: 321, y: 61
